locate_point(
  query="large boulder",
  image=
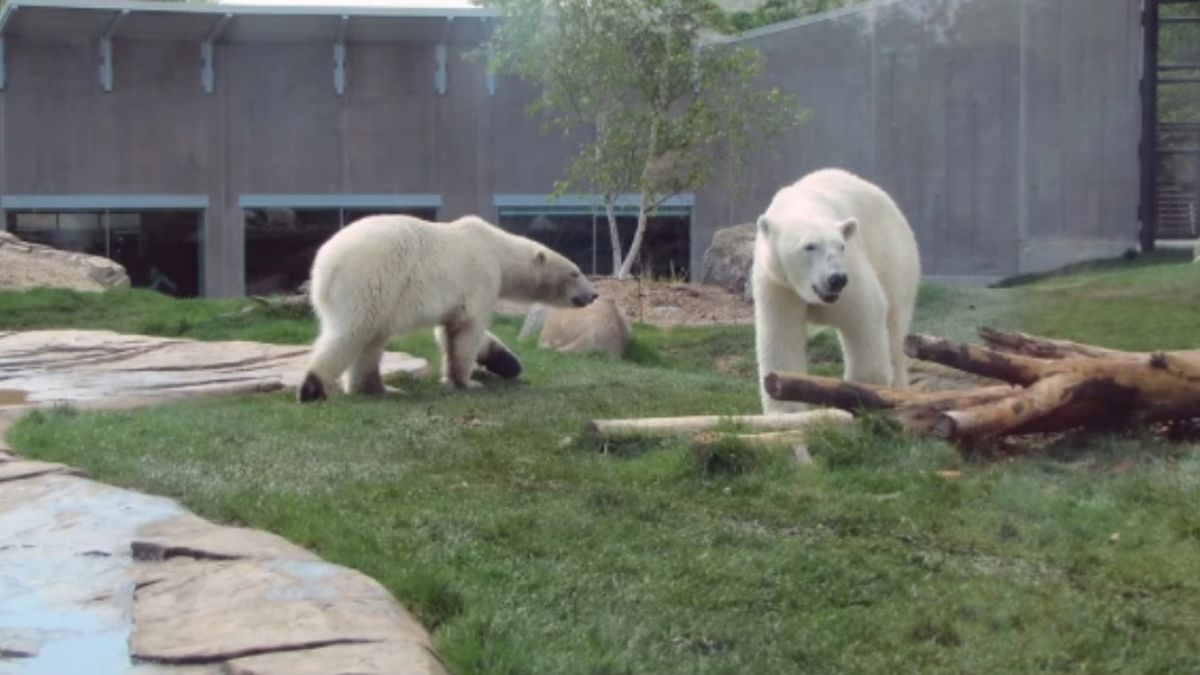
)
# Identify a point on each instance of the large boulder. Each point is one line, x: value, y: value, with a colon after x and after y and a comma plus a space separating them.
x: 27, y: 265
x: 727, y: 262
x: 601, y: 326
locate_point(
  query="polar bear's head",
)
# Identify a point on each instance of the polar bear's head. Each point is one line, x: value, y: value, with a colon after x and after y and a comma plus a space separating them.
x: 812, y: 255
x: 559, y: 281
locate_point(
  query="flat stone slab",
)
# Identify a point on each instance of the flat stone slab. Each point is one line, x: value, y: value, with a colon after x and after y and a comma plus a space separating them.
x: 75, y: 599
x: 189, y: 536
x: 17, y: 469
x: 208, y: 612
x: 42, y: 367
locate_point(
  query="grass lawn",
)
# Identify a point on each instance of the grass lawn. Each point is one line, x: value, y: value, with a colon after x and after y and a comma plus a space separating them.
x: 530, y: 548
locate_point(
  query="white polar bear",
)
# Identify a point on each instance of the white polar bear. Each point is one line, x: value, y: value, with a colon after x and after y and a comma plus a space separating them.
x: 385, y: 275
x: 833, y: 249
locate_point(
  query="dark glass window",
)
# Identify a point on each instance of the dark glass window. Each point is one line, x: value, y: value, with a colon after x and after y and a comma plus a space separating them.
x: 584, y: 238
x: 281, y: 243
x: 159, y: 249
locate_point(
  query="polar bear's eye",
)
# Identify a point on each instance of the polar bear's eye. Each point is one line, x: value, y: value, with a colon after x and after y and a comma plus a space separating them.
x: 810, y: 247
x: 574, y: 275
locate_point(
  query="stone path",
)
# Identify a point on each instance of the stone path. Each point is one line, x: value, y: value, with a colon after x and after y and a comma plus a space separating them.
x: 95, y: 579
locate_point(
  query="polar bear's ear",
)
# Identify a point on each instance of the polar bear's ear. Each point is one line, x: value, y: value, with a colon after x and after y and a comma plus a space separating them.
x: 764, y: 225
x: 848, y: 228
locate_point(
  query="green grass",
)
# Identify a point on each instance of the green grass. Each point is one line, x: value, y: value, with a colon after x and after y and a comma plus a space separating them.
x: 529, y: 546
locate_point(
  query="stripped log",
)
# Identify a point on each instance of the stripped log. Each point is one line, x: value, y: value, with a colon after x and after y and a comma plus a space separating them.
x: 1043, y: 348
x: 667, y: 426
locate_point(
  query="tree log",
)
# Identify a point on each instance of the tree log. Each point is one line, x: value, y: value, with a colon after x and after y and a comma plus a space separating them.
x: 1011, y: 368
x: 680, y: 425
x: 1067, y: 386
x: 1043, y: 348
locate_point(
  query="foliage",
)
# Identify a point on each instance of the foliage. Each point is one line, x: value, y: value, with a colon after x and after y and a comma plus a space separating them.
x: 774, y: 11
x: 654, y: 110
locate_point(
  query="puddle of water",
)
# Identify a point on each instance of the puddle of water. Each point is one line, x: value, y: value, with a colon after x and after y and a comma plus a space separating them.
x: 97, y: 654
x: 13, y: 397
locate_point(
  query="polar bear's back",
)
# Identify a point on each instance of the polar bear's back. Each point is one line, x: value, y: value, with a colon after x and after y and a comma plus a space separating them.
x: 400, y: 266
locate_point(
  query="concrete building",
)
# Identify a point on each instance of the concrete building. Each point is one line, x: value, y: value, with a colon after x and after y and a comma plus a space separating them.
x: 218, y: 145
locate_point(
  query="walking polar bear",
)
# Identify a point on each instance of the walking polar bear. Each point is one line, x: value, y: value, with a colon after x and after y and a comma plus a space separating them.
x: 833, y: 249
x: 384, y: 275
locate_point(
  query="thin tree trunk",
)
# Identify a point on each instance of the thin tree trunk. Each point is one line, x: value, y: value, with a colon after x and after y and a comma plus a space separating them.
x: 614, y: 234
x: 662, y: 106
x: 635, y: 246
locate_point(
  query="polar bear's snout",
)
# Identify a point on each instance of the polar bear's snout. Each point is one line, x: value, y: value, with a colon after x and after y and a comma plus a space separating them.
x: 831, y: 288
x: 836, y: 282
x: 584, y: 299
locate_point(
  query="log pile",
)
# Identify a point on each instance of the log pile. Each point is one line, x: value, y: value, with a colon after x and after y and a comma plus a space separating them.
x: 1051, y: 385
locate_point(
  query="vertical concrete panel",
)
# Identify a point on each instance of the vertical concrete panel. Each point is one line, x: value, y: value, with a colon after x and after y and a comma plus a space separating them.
x: 458, y: 133
x: 150, y: 132
x: 50, y: 143
x: 284, y: 119
x: 391, y: 119
x: 523, y: 158
x: 827, y: 64
x: 1082, y: 100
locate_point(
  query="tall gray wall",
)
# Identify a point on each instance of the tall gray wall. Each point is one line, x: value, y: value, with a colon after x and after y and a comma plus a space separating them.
x: 274, y: 124
x: 1006, y: 130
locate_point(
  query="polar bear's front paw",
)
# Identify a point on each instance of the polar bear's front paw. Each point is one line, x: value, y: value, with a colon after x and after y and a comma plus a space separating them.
x: 471, y: 384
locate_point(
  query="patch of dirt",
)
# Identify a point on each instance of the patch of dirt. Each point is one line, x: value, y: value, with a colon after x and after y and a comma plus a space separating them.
x: 662, y: 303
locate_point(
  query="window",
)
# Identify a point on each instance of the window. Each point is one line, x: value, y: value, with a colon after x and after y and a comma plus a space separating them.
x: 159, y: 249
x: 282, y: 242
x: 581, y: 234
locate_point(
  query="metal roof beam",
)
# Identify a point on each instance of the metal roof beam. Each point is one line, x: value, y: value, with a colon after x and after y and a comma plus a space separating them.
x: 339, y: 57
x: 489, y: 73
x: 439, y: 55
x: 6, y: 14
x: 106, y: 50
x: 207, y: 71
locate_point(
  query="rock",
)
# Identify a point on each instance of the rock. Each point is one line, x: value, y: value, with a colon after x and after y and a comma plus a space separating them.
x: 534, y: 321
x: 189, y: 536
x: 21, y: 469
x: 601, y: 326
x: 28, y: 265
x: 82, y: 366
x: 727, y: 261
x: 388, y: 658
x: 205, y: 612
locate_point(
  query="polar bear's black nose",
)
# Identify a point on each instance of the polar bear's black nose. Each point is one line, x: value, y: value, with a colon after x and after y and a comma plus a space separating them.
x: 837, y: 282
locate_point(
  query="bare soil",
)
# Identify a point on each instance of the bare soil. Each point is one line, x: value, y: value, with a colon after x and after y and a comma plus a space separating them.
x: 664, y: 303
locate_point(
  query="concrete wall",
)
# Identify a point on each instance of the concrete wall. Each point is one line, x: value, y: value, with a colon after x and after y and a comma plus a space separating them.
x: 1007, y: 130
x: 274, y: 124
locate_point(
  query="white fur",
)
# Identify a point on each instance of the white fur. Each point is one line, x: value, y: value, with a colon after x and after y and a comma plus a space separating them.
x: 879, y: 257
x: 385, y: 275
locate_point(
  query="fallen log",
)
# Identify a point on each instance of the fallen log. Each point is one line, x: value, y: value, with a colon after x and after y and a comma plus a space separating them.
x: 1043, y: 348
x: 682, y: 425
x: 1067, y: 386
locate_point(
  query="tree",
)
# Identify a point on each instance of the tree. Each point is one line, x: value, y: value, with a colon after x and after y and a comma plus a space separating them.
x: 658, y: 110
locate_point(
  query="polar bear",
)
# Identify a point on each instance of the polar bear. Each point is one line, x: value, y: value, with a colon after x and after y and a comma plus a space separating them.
x: 834, y: 249
x: 384, y: 275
